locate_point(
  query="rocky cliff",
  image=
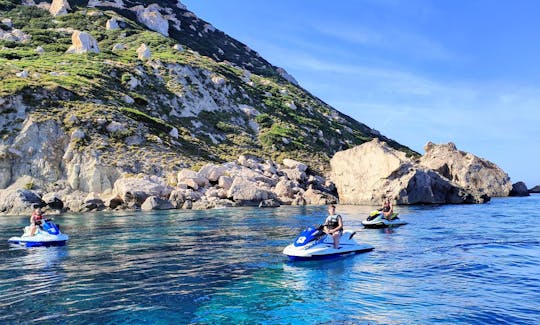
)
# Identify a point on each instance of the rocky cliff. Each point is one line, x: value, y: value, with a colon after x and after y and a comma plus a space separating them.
x: 92, y: 91
x: 373, y: 171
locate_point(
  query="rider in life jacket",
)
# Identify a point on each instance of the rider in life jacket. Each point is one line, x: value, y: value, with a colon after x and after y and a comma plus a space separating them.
x: 333, y: 225
x: 388, y: 210
x: 35, y: 221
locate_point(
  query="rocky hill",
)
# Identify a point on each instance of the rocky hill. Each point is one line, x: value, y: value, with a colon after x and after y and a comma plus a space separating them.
x: 94, y: 90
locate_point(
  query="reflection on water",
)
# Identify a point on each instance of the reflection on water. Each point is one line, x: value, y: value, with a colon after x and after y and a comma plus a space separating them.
x: 450, y: 264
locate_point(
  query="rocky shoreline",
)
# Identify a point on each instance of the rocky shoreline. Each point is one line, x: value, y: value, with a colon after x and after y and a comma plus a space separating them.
x: 366, y: 174
x: 249, y: 181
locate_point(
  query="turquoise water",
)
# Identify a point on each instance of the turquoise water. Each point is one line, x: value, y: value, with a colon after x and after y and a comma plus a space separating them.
x: 474, y: 264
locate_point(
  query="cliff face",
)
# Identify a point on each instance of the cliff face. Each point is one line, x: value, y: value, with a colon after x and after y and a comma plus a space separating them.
x: 91, y: 90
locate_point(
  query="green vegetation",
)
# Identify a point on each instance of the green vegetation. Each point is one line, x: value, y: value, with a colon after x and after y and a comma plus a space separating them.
x: 89, y: 91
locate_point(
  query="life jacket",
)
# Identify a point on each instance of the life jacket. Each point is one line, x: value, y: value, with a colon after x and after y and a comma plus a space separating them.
x: 386, y: 208
x: 332, y: 221
x: 37, y: 217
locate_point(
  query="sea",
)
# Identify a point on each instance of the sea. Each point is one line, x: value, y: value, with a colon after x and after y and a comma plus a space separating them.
x: 451, y: 264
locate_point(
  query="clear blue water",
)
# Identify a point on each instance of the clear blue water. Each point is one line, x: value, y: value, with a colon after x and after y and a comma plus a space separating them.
x: 475, y: 264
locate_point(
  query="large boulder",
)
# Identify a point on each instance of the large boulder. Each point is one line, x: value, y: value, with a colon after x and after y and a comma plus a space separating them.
x: 225, y: 182
x: 412, y: 185
x: 284, y: 189
x: 59, y: 8
x: 213, y: 172
x: 152, y: 18
x: 535, y: 189
x: 53, y: 201
x: 19, y: 201
x: 519, y: 189
x: 143, y: 52
x: 357, y: 171
x: 466, y: 169
x: 156, y: 203
x: 135, y: 190
x: 247, y: 192
x: 112, y: 24
x: 93, y: 202
x: 293, y: 164
x: 316, y: 197
x: 373, y: 171
x: 83, y: 43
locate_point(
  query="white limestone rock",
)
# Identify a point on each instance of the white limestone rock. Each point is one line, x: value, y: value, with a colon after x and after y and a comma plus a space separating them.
x: 22, y: 74
x: 118, y: 47
x: 7, y: 22
x: 138, y: 189
x: 128, y: 99
x: 466, y: 169
x: 59, y: 8
x: 293, y: 164
x: 112, y: 24
x: 143, y: 52
x: 156, y: 203
x: 174, y: 133
x: 83, y: 43
x: 152, y: 18
x: 15, y: 35
x: 373, y: 171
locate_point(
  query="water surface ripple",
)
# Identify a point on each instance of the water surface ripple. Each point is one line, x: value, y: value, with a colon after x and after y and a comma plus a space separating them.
x: 474, y: 264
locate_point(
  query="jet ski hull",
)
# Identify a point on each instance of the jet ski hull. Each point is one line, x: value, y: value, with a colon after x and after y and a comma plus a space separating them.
x: 329, y: 253
x: 324, y: 248
x: 383, y: 223
x: 39, y: 240
x: 48, y: 234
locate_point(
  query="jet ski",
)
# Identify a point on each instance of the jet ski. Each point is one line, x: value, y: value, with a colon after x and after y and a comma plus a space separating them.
x: 377, y: 220
x: 48, y: 234
x: 313, y: 244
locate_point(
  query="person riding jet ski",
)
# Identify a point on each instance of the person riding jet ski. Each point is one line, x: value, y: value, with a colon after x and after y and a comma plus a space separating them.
x: 388, y: 210
x: 35, y: 220
x: 333, y: 225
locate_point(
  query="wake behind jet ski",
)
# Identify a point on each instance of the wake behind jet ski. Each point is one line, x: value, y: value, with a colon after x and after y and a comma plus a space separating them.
x: 377, y: 219
x: 313, y: 243
x: 48, y: 234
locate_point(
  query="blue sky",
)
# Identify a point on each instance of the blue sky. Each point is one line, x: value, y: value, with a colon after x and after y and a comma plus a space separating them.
x: 418, y: 71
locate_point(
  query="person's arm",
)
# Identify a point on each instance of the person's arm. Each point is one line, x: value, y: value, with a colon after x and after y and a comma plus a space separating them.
x: 32, y: 219
x: 340, y: 224
x: 325, y: 228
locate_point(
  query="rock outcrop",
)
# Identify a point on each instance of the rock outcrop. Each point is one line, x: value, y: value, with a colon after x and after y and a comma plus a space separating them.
x: 519, y: 189
x: 143, y: 52
x: 83, y: 43
x: 112, y: 24
x: 16, y: 201
x: 466, y: 169
x: 535, y: 189
x: 371, y: 172
x: 59, y: 8
x: 152, y: 18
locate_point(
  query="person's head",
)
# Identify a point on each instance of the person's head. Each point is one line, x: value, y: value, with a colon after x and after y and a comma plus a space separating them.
x: 386, y: 202
x: 38, y: 211
x: 331, y: 209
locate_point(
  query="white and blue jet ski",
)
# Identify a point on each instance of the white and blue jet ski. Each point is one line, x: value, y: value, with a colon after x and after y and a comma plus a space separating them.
x: 48, y: 234
x: 315, y: 244
x: 377, y: 220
